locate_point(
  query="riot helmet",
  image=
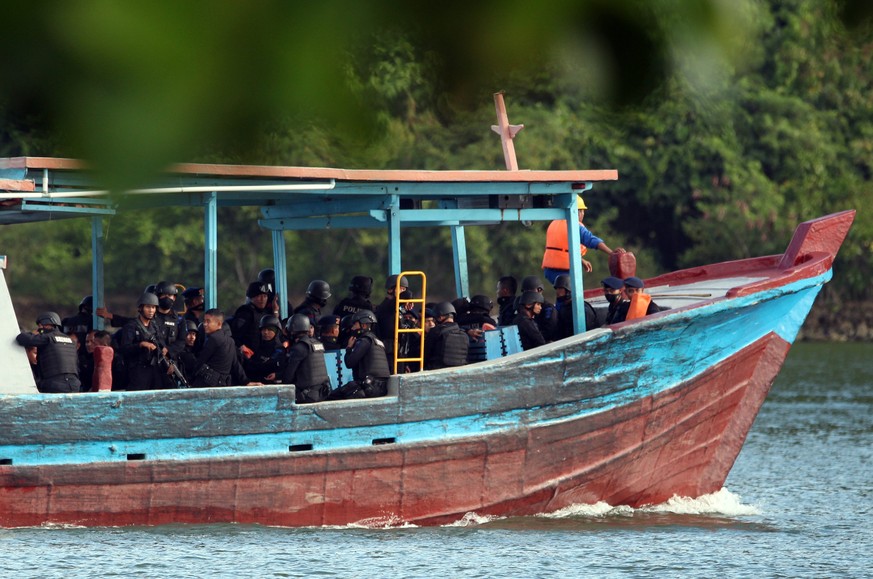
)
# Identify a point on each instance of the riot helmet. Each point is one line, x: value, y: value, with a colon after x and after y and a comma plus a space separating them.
x: 531, y: 297
x: 531, y: 283
x: 270, y: 321
x: 391, y: 282
x: 48, y: 319
x: 147, y: 299
x: 444, y: 309
x: 364, y: 317
x: 481, y: 302
x: 191, y: 326
x: 563, y: 281
x: 166, y: 288
x: 87, y: 304
x: 298, y: 324
x: 361, y: 285
x: 267, y: 276
x: 318, y: 291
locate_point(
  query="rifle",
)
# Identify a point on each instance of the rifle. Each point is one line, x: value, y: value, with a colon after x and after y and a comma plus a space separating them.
x: 181, y: 382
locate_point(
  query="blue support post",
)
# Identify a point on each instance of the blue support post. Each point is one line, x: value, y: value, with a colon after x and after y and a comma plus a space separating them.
x: 393, y: 211
x: 576, y: 269
x: 210, y: 257
x: 97, y: 284
x: 459, y: 254
x: 280, y: 267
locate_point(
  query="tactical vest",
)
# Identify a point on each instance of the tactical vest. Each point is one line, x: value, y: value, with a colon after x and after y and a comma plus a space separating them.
x: 313, y: 370
x: 167, y: 326
x: 452, y: 347
x: 375, y: 364
x: 58, y: 356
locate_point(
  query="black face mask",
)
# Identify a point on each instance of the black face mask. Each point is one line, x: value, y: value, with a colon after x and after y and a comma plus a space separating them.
x: 612, y: 298
x: 166, y: 303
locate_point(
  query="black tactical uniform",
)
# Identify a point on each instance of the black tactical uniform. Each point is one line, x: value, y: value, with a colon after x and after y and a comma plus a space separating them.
x: 307, y: 370
x: 358, y: 298
x: 57, y: 361
x: 217, y: 362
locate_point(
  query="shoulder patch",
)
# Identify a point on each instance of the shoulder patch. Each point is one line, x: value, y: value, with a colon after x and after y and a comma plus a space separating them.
x: 318, y: 347
x: 62, y: 339
x: 379, y: 342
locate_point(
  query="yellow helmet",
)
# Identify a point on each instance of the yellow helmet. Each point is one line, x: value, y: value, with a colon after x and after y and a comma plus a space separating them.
x: 580, y: 202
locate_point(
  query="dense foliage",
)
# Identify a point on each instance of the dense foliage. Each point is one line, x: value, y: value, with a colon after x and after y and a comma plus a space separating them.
x: 728, y: 126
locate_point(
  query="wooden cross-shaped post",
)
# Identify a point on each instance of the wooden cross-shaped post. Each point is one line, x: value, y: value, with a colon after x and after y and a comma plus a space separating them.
x: 506, y: 131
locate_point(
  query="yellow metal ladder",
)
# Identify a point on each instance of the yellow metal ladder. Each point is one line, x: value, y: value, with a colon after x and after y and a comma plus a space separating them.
x: 419, y: 330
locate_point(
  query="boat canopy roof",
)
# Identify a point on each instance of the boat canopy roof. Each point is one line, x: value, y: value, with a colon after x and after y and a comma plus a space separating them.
x: 36, y: 189
x: 42, y: 188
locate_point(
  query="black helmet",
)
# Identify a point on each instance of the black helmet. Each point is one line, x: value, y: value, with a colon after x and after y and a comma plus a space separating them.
x: 257, y: 288
x: 87, y: 304
x: 148, y: 299
x: 361, y: 284
x: 563, y: 281
x: 391, y: 282
x: 481, y: 302
x: 531, y: 297
x: 346, y: 322
x: 48, y: 318
x: 190, y: 326
x: 297, y: 324
x: 166, y: 288
x: 270, y: 321
x: 364, y: 317
x: 192, y: 292
x: 444, y: 309
x: 150, y: 289
x: 267, y: 276
x: 318, y: 289
x: 531, y: 283
x: 462, y: 305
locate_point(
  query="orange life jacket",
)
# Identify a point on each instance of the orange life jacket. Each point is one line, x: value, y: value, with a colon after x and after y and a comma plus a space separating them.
x: 557, y: 256
x: 639, y: 305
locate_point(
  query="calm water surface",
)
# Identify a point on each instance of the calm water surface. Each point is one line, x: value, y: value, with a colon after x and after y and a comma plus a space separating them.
x: 797, y: 504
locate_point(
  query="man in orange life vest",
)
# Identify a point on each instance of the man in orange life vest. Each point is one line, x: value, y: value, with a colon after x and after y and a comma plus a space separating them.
x: 638, y: 304
x: 556, y: 259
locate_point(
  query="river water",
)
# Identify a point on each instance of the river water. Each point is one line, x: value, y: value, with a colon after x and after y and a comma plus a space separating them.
x: 798, y: 503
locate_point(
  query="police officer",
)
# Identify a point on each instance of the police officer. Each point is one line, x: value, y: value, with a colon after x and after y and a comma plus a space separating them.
x: 547, y: 317
x: 317, y: 294
x: 506, y: 288
x: 366, y: 358
x: 446, y: 345
x: 139, y: 346
x: 194, y: 304
x: 305, y: 366
x: 82, y: 322
x: 328, y: 332
x: 612, y: 291
x: 564, y: 305
x: 56, y: 357
x: 217, y: 362
x: 244, y: 326
x: 265, y: 363
x: 358, y: 298
x: 386, y: 313
x: 530, y: 304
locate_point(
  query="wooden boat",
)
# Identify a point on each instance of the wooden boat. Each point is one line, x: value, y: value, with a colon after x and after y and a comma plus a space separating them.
x: 630, y: 414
